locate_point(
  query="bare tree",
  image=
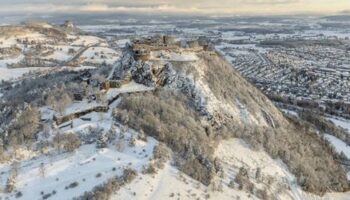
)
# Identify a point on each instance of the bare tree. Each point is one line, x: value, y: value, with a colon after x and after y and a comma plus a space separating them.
x: 57, y: 140
x: 46, y: 130
x: 15, y: 168
x: 28, y: 123
x: 62, y: 104
x: 120, y: 145
x: 42, y: 170
x: 59, y: 99
x: 11, y: 180
x: 258, y: 174
x: 102, y: 141
x: 69, y: 141
x: 11, y: 184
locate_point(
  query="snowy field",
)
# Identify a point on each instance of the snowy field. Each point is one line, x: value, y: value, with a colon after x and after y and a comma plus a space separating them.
x: 99, y: 55
x: 11, y: 74
x: 88, y: 41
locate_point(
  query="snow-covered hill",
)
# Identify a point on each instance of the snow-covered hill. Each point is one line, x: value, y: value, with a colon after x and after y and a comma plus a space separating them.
x: 40, y: 46
x: 178, y: 123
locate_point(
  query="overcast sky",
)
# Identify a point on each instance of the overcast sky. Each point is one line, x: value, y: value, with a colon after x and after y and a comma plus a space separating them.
x: 205, y: 7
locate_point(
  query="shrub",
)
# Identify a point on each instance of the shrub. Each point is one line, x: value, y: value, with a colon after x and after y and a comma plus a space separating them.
x: 11, y: 184
x: 132, y: 142
x: 231, y: 184
x: 26, y: 126
x: 69, y: 141
x: 102, y: 141
x: 73, y: 185
x: 242, y: 179
x: 104, y: 191
x: 19, y: 194
x: 128, y: 175
x: 160, y: 152
x: 150, y: 169
x: 98, y: 175
x: 325, y: 125
x: 46, y: 196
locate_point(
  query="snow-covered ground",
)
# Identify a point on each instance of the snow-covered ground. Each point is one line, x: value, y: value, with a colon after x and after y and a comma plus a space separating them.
x: 89, y: 166
x: 4, y: 62
x: 168, y: 183
x: 339, y: 145
x: 87, y: 50
x: 99, y: 55
x: 80, y: 106
x: 85, y: 40
x: 235, y: 153
x: 82, y: 166
x: 10, y: 74
x: 172, y: 56
x: 130, y: 87
x: 31, y: 36
x: 343, y: 123
x: 61, y: 52
x: 290, y: 112
x: 123, y: 42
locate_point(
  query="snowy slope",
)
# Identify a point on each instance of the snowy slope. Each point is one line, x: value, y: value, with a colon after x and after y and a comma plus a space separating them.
x: 170, y: 183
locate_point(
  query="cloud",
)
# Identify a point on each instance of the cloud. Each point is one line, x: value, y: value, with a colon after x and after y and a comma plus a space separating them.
x: 345, y: 12
x: 273, y: 2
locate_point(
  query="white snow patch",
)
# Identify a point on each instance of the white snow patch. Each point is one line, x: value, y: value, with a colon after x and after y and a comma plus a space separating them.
x: 130, y: 87
x: 87, y: 40
x: 343, y: 123
x: 173, y: 56
x: 10, y: 74
x: 339, y: 145
x: 235, y: 153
